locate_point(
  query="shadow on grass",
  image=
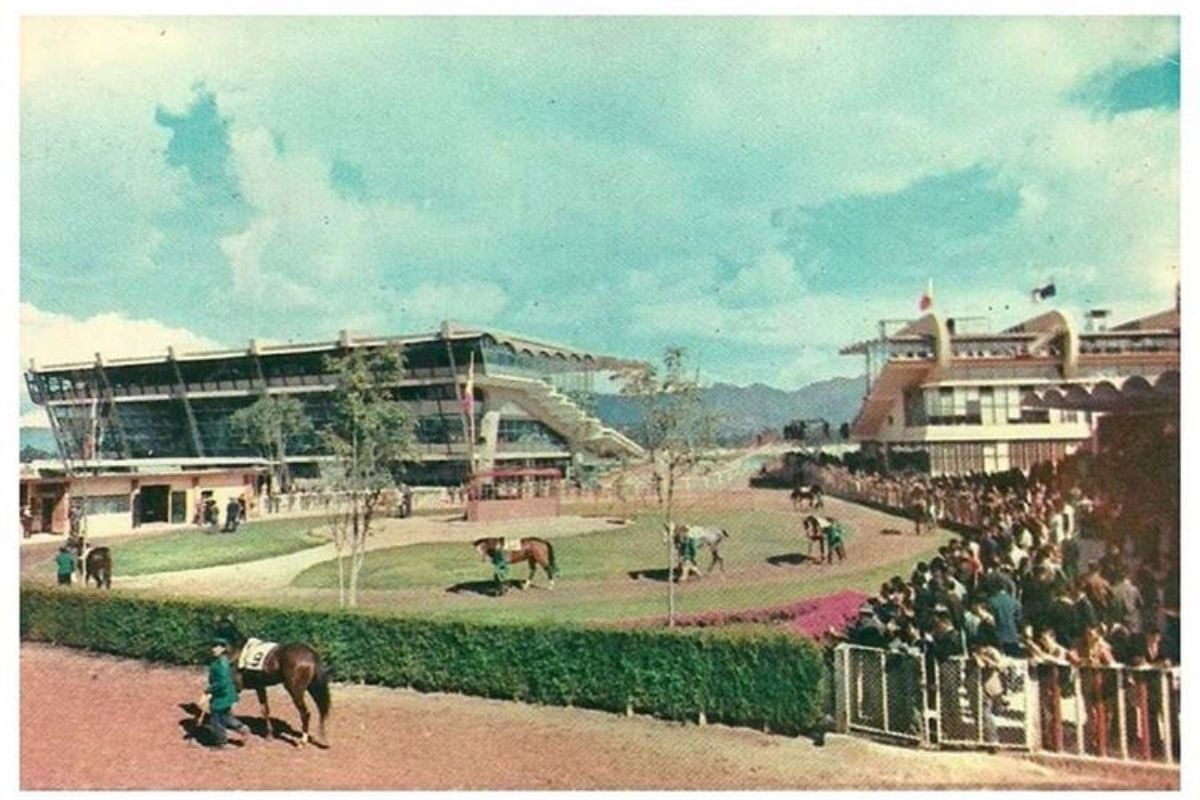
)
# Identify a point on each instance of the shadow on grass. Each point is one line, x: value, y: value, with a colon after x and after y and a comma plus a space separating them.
x: 792, y: 559
x: 488, y: 588
x: 659, y: 574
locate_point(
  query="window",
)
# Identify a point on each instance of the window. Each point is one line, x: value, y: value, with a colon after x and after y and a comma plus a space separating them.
x: 106, y: 504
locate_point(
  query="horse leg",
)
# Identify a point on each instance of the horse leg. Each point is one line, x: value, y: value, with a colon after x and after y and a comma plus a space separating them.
x: 261, y: 691
x: 532, y: 572
x: 296, y: 690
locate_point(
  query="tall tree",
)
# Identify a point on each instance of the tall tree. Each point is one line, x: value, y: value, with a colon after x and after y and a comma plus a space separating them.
x: 677, y: 431
x: 370, y: 436
x: 273, y: 425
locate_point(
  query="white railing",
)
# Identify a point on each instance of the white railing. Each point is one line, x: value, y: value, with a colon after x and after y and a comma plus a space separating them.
x: 1112, y: 713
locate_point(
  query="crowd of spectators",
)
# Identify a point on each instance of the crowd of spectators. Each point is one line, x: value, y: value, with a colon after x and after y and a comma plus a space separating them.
x: 1013, y: 582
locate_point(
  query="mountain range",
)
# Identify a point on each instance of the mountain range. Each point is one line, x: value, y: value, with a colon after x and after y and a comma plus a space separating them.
x: 746, y: 410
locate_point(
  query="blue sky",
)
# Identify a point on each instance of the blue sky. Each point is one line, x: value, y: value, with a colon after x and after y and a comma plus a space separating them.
x: 757, y: 190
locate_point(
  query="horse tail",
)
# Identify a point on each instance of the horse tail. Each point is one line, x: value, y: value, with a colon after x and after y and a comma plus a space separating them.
x: 552, y: 568
x: 724, y: 533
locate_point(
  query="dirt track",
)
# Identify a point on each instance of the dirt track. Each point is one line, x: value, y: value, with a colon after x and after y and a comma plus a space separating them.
x: 98, y: 722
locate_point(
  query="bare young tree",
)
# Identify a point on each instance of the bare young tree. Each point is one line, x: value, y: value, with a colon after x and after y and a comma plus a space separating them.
x: 676, y: 429
x: 370, y: 436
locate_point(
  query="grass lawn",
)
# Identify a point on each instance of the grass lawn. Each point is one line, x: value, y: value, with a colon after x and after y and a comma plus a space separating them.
x: 196, y: 548
x: 597, y: 573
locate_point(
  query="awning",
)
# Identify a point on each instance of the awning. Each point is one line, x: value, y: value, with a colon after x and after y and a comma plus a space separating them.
x: 1128, y: 394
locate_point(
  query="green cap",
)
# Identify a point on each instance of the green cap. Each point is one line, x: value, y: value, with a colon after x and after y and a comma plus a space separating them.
x: 217, y: 640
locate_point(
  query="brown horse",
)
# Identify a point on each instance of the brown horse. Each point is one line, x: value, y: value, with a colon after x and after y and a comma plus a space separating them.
x: 297, y: 666
x: 538, y: 552
x: 97, y: 566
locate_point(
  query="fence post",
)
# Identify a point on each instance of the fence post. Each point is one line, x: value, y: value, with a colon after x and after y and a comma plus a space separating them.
x: 1033, y: 706
x: 978, y: 700
x: 1142, y: 714
x: 924, y: 682
x: 841, y: 688
x: 884, y: 686
x: 1121, y: 722
x: 1165, y: 710
x: 1077, y: 678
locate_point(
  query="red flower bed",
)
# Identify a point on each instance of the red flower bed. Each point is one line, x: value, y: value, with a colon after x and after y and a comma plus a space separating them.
x: 807, y: 617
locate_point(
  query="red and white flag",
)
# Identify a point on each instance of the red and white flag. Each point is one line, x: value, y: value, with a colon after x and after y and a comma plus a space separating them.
x: 926, y: 301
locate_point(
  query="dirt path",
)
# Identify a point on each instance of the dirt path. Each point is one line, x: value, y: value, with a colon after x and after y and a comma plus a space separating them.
x: 98, y: 722
x: 270, y: 574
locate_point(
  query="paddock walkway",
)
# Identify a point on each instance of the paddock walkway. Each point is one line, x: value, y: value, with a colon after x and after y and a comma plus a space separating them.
x: 270, y: 574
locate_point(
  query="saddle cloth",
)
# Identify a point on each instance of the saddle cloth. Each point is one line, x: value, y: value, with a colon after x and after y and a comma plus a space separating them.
x: 254, y: 654
x: 513, y: 544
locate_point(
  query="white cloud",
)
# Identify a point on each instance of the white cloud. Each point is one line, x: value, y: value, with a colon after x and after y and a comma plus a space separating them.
x: 51, y: 338
x: 35, y: 418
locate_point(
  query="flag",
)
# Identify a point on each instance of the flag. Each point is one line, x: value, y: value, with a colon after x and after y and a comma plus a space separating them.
x: 926, y: 299
x: 468, y: 397
x: 1042, y: 292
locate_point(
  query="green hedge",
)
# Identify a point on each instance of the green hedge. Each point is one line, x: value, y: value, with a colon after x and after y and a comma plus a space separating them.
x: 763, y: 679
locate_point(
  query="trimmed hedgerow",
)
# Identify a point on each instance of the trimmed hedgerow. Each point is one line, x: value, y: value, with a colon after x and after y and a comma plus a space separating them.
x: 764, y: 679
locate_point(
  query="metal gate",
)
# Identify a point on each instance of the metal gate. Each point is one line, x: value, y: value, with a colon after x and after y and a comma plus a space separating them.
x: 982, y: 707
x: 881, y: 692
x: 1112, y: 713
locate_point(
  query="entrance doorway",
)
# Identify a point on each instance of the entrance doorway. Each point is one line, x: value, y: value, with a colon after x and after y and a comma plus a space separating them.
x: 154, y: 505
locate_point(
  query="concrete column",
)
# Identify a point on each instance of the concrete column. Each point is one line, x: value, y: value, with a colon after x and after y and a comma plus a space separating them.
x: 489, y: 432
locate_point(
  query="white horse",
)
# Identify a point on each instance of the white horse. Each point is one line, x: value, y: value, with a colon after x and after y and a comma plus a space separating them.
x: 709, y: 537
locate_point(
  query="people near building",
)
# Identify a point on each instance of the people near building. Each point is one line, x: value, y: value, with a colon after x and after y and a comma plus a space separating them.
x: 26, y: 521
x: 75, y: 517
x: 220, y: 695
x: 65, y: 563
x: 233, y: 512
x: 406, y: 500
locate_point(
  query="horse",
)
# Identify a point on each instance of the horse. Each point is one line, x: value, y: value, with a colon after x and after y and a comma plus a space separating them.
x: 92, y: 563
x: 296, y: 665
x: 810, y: 494
x: 709, y: 537
x: 538, y: 552
x: 814, y: 532
x: 98, y: 565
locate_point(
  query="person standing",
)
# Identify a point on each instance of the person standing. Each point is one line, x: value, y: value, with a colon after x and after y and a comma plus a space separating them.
x: 220, y: 695
x: 65, y: 564
x: 232, y: 512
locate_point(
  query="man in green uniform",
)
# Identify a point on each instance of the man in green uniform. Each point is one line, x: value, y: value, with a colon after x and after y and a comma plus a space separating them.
x: 65, y: 563
x: 835, y: 542
x: 220, y: 696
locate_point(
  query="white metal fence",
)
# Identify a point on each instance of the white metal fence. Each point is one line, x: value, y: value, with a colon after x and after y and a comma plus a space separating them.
x: 1115, y: 713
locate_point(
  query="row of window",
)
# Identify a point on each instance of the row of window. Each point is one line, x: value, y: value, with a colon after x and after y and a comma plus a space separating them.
x: 971, y: 405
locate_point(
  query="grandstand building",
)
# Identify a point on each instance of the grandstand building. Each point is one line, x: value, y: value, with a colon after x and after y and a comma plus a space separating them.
x: 976, y: 401
x: 530, y: 407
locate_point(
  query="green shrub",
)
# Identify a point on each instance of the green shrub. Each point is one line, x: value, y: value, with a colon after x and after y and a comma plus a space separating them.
x: 764, y: 679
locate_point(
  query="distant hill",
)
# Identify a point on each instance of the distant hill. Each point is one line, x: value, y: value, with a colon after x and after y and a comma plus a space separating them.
x: 39, y: 439
x: 745, y: 410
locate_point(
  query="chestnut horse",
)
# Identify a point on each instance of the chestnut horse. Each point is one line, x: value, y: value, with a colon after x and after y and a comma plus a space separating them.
x: 538, y: 552
x: 297, y: 666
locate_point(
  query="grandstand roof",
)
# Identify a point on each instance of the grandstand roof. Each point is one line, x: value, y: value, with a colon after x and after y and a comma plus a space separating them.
x: 450, y: 331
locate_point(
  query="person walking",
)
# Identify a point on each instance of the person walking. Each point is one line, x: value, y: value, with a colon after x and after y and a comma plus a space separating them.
x: 64, y: 562
x: 220, y: 695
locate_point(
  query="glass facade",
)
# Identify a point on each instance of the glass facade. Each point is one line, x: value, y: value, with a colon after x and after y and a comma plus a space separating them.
x: 165, y: 408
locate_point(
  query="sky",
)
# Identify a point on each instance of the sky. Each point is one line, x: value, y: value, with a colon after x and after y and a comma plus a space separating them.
x: 759, y: 191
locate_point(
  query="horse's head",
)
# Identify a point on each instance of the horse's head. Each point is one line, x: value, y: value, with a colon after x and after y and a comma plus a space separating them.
x: 484, y: 547
x: 671, y: 531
